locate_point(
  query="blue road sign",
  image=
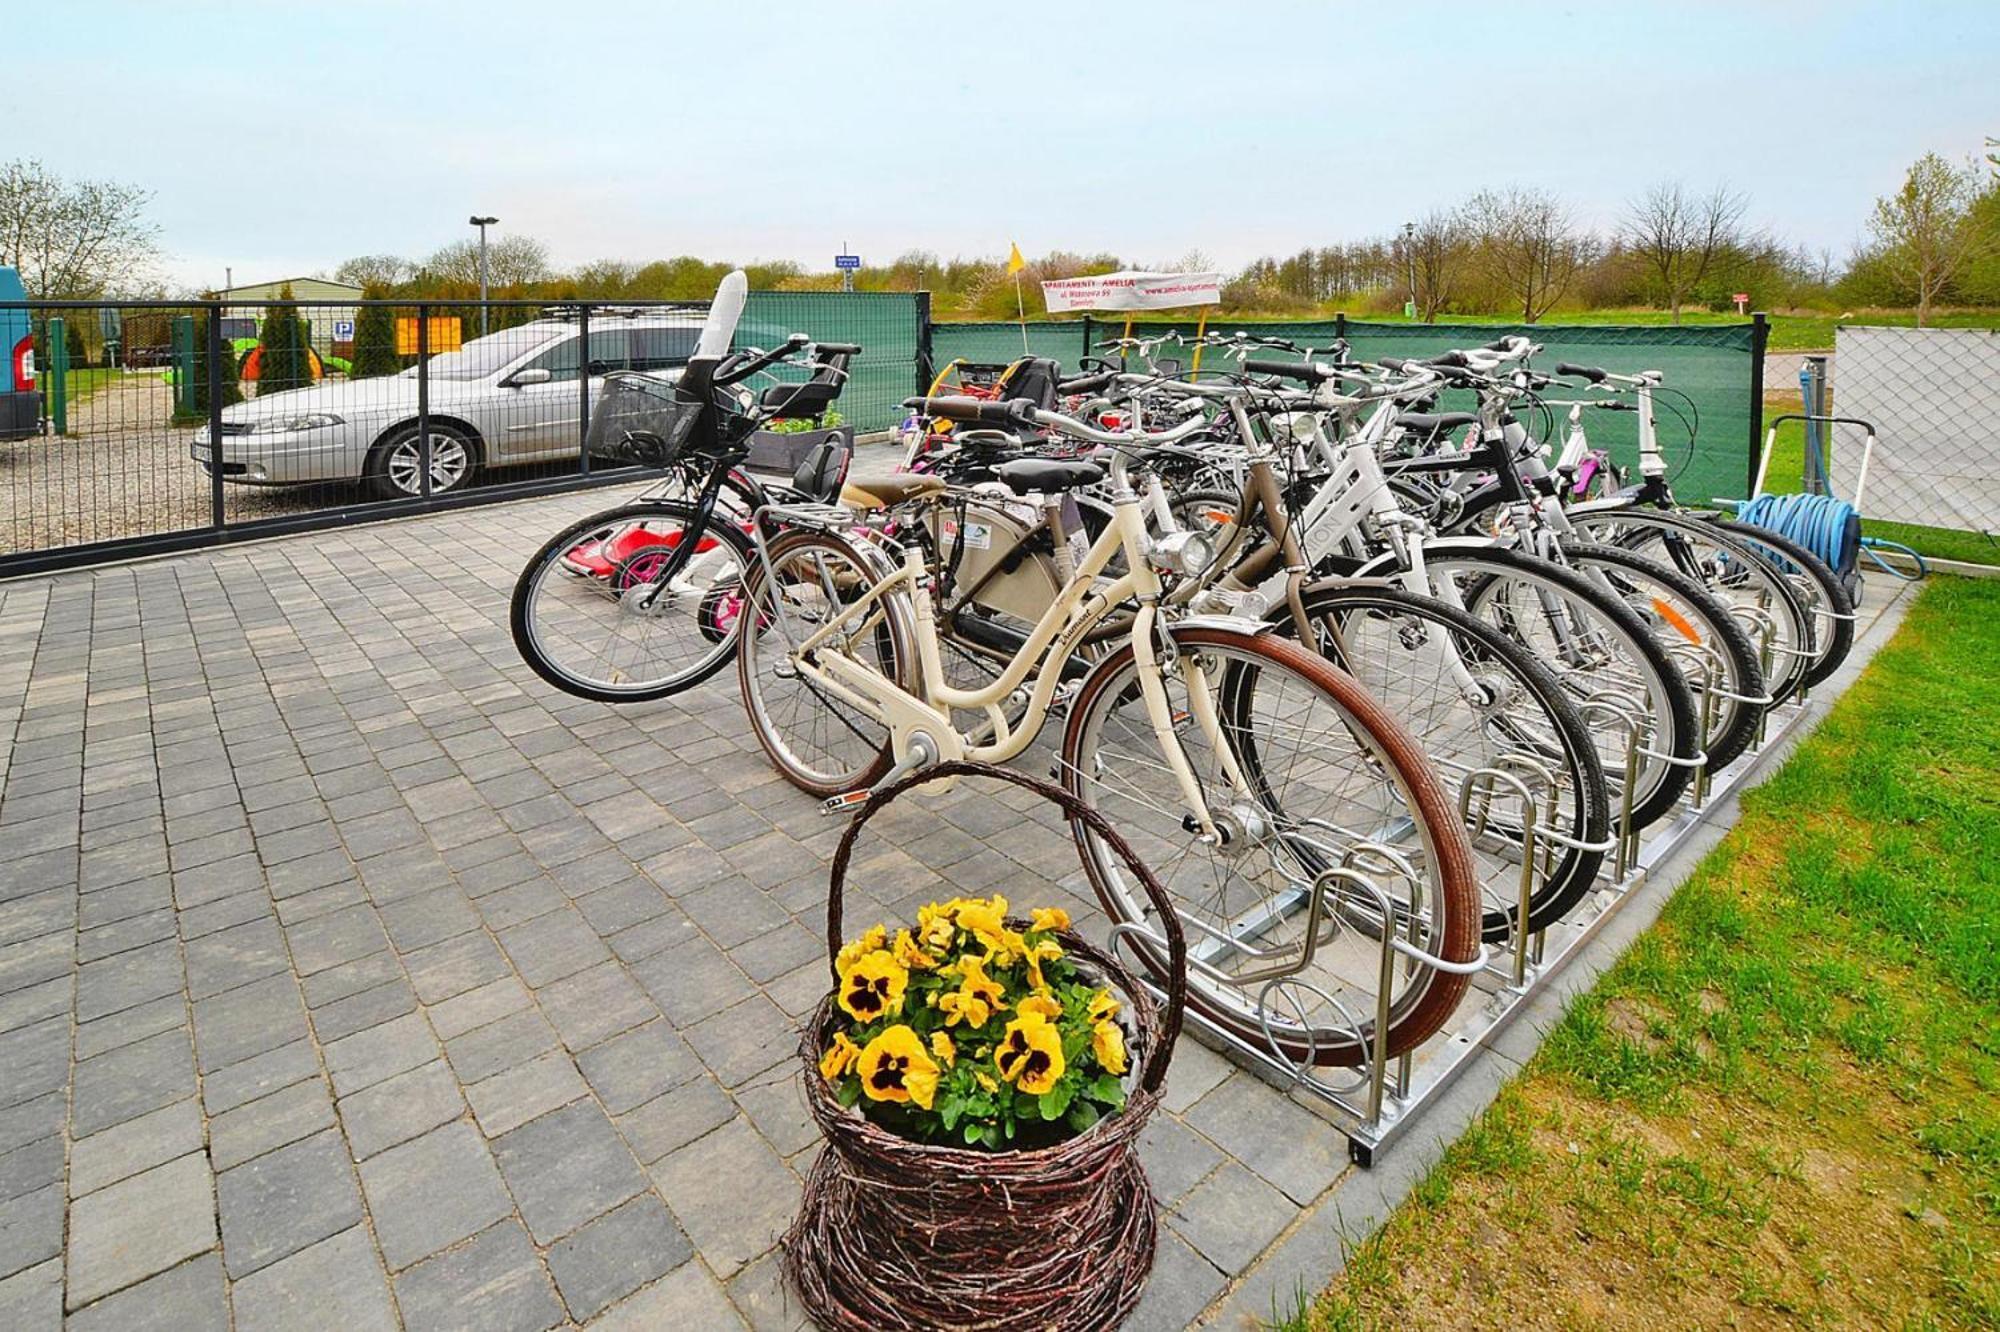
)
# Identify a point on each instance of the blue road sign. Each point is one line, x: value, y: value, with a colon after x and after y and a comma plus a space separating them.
x: 847, y: 261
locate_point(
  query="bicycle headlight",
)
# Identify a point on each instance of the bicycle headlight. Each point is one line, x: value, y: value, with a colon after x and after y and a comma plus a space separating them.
x: 1184, y: 553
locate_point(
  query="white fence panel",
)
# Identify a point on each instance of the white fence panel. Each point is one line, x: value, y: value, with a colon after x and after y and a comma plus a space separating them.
x: 1933, y: 395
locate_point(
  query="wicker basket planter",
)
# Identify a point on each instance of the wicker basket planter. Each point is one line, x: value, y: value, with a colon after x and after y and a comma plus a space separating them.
x: 897, y: 1234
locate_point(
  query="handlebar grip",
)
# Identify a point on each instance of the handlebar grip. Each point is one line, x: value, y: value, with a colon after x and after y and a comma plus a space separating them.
x: 1455, y: 359
x: 838, y: 348
x: 1589, y: 372
x: 1087, y: 383
x: 984, y: 411
x: 1302, y: 370
x: 1397, y: 363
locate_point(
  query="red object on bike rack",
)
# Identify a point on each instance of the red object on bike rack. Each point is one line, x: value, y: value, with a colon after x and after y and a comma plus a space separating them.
x: 601, y: 557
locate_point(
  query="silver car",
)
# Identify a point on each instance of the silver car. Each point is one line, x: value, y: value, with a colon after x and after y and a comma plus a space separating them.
x: 508, y: 398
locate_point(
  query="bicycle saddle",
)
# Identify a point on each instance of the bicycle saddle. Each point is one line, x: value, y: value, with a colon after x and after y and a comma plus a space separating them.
x: 1047, y: 475
x: 1432, y: 422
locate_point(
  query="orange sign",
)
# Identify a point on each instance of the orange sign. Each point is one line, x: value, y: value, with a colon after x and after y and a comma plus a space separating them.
x: 444, y: 335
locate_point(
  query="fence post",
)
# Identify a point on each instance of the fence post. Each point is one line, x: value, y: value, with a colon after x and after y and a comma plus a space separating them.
x: 583, y: 387
x: 424, y: 400
x: 58, y: 342
x: 1340, y: 325
x: 1086, y: 336
x: 1760, y: 338
x: 926, y: 363
x: 214, y: 352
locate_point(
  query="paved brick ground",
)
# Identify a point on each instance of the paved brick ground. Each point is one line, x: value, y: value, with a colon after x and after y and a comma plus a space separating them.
x: 351, y: 978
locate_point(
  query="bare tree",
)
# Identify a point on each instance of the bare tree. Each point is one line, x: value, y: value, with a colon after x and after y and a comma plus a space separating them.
x: 375, y: 270
x: 1681, y: 236
x: 1530, y: 244
x: 1927, y: 230
x: 73, y: 239
x: 1438, y: 250
x: 511, y: 261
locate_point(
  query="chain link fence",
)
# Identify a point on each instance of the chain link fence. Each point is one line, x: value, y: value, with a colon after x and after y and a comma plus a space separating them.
x: 1932, y: 396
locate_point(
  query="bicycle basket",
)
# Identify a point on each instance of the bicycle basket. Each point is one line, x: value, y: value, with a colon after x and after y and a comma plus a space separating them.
x: 640, y: 420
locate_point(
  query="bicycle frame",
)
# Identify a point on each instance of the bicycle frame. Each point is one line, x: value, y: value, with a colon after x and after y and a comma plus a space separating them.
x: 920, y: 725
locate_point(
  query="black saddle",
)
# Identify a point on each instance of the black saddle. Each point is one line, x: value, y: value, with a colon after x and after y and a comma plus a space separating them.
x: 1046, y: 475
x: 1429, y: 423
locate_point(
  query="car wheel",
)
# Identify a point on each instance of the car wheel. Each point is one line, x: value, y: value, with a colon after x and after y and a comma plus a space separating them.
x: 395, y: 464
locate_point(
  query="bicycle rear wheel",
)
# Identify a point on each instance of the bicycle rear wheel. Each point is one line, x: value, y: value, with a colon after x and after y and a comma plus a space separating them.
x: 1304, y: 770
x: 1474, y: 699
x: 1826, y: 598
x: 600, y: 613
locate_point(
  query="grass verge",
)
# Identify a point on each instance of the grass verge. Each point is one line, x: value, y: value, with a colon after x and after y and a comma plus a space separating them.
x: 1781, y: 1108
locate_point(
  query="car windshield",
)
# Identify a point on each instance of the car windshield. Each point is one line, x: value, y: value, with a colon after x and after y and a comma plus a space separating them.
x: 482, y: 356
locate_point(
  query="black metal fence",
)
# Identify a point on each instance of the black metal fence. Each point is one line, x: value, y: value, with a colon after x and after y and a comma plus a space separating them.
x: 168, y: 425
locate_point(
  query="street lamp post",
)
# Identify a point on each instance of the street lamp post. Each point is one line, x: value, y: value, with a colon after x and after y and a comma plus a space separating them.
x: 482, y: 223
x: 1410, y: 259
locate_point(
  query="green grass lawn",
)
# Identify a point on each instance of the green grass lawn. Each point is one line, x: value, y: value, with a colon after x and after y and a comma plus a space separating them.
x: 1781, y: 1108
x: 83, y: 383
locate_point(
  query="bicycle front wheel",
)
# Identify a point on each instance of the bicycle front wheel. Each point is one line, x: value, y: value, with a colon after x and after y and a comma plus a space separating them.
x: 614, y: 608
x: 1302, y: 772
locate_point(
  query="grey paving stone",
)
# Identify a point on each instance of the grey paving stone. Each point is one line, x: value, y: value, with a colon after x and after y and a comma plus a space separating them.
x: 670, y: 1122
x: 1287, y: 1144
x: 428, y: 918
x: 31, y: 1229
x: 455, y: 966
x: 110, y: 905
x: 259, y: 1075
x: 234, y: 957
x: 595, y: 1005
x: 329, y: 940
x: 476, y: 1008
x: 119, y: 936
x: 400, y: 1108
x: 351, y: 978
x: 188, y: 1298
x: 35, y: 1060
x: 236, y: 909
x: 763, y: 1299
x: 367, y: 1057
x: 494, y: 1283
x: 370, y: 1008
x: 32, y: 1299
x: 336, y: 1285
x: 139, y: 1226
x: 1231, y: 1217
x: 777, y: 1107
x: 553, y: 946
x: 565, y: 1168
x: 631, y: 1069
x: 480, y: 1053
x: 430, y: 1193
x: 510, y: 1099
x: 245, y: 1021
x: 131, y: 1081
x: 281, y: 1202
x: 734, y: 1225
x: 34, y: 1166
x: 31, y: 1121
x: 1182, y: 1285
x: 686, y: 1297
x: 134, y: 1146
x: 692, y: 980
x: 1175, y: 1158
x: 284, y: 1117
x: 616, y: 1254
x: 741, y: 1042
x: 113, y: 984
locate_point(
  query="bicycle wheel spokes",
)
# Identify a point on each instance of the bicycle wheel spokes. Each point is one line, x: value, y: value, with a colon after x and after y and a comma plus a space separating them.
x: 821, y: 740
x: 1296, y: 783
x: 615, y: 608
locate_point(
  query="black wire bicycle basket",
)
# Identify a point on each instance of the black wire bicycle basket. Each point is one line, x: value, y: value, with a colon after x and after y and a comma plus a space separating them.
x: 641, y: 421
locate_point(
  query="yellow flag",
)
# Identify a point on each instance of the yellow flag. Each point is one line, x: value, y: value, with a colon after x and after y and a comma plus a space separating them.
x: 1015, y: 263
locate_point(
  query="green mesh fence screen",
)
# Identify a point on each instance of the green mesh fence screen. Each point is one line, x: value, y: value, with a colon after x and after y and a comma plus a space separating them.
x: 884, y: 324
x: 1710, y: 365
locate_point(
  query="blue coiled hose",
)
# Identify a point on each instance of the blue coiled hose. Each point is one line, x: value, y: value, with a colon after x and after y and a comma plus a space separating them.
x: 1828, y: 527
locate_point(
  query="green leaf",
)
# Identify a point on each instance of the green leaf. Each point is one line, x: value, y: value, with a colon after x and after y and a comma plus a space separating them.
x: 1055, y: 1101
x: 1082, y: 1115
x: 848, y: 1092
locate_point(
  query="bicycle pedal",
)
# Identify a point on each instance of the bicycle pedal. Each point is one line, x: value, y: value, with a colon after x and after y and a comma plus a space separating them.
x: 840, y: 804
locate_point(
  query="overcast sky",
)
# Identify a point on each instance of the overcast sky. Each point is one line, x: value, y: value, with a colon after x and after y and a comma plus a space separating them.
x: 279, y: 140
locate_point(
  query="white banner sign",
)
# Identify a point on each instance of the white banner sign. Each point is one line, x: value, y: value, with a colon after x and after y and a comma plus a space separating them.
x: 1133, y: 291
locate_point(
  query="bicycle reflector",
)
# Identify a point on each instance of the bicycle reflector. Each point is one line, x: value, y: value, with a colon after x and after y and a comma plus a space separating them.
x: 1184, y: 553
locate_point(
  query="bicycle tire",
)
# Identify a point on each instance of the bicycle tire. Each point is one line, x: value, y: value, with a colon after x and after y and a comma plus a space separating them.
x: 1836, y: 624
x: 523, y: 616
x: 1429, y: 995
x: 1580, y: 780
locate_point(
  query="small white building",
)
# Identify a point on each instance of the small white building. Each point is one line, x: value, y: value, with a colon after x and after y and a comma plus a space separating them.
x: 326, y: 306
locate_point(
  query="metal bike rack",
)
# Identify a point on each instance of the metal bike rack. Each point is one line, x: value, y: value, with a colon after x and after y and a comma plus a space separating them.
x: 1383, y: 1097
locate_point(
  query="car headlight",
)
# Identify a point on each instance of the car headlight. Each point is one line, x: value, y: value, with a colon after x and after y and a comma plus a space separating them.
x: 291, y: 425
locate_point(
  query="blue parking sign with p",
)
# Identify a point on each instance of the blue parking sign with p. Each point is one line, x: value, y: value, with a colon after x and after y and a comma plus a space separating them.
x: 343, y: 330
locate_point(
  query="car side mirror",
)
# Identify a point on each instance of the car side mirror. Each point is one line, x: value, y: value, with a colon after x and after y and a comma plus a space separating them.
x: 523, y: 378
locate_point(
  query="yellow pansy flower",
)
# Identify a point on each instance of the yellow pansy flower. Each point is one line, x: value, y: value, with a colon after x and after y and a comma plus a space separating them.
x: 1042, y: 950
x: 874, y: 938
x: 910, y: 955
x: 1103, y: 1006
x: 1107, y: 1042
x: 1048, y: 918
x: 894, y: 1067
x: 977, y: 997
x: 873, y: 987
x: 839, y: 1057
x: 986, y: 1083
x: 942, y: 1047
x: 1043, y: 1004
x: 1030, y: 1054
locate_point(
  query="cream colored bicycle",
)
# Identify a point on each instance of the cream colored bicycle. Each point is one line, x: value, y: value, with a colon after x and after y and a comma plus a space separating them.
x: 1293, y: 821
